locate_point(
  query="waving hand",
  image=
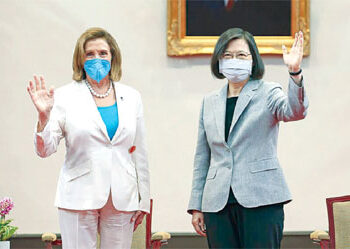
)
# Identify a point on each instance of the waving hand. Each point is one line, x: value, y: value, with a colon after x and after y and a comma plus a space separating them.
x: 42, y: 98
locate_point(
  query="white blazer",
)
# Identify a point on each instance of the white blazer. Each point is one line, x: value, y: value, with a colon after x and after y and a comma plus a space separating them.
x: 94, y: 165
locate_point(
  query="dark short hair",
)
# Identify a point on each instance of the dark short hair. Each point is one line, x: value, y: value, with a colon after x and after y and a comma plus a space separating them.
x: 229, y: 35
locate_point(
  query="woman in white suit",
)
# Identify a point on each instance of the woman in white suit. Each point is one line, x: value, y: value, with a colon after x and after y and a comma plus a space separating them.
x: 104, y: 181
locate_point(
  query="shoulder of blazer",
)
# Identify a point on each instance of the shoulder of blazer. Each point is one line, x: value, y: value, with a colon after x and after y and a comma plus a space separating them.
x: 268, y: 89
x: 215, y: 93
x: 127, y: 91
x: 68, y: 89
x: 267, y: 86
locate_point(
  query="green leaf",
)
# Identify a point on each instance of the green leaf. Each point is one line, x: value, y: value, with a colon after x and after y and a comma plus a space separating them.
x: 2, y: 230
x: 7, y: 232
x: 6, y: 222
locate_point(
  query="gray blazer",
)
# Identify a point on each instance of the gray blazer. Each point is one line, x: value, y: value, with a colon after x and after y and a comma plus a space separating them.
x: 248, y: 161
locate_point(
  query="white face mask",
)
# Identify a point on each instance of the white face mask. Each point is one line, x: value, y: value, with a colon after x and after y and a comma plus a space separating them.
x: 235, y: 70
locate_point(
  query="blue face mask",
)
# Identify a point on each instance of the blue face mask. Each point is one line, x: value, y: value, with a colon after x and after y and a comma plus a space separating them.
x: 97, y: 69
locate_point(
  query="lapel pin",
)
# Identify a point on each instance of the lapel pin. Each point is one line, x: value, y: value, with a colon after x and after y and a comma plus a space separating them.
x: 132, y: 149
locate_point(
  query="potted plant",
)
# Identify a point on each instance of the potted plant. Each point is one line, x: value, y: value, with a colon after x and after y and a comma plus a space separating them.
x: 6, y: 231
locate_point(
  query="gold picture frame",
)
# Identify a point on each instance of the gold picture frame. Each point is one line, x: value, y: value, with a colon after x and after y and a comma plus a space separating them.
x: 181, y: 45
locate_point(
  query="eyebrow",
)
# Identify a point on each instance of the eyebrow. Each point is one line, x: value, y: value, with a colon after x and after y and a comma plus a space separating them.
x: 99, y: 50
x: 236, y: 51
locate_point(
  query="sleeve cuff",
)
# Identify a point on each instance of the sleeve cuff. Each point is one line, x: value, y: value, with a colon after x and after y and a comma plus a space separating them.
x: 292, y: 82
x: 44, y: 133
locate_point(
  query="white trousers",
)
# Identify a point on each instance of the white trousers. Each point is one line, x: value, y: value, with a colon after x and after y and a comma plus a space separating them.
x: 79, y: 228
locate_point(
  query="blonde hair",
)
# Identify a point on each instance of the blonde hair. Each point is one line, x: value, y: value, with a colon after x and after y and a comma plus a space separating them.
x: 79, y: 54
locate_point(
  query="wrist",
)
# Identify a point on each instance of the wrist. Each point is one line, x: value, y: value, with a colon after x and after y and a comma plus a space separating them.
x: 43, y: 116
x: 295, y: 73
x: 196, y: 211
x: 294, y: 68
x: 42, y: 121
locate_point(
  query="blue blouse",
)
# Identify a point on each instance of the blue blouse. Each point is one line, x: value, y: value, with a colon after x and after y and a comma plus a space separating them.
x: 110, y: 117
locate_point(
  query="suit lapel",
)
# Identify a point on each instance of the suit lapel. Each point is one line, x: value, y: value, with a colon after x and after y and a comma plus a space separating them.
x: 244, y: 98
x: 220, y: 111
x: 122, y: 112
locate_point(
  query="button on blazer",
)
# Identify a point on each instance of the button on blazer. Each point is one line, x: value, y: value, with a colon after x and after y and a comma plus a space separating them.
x: 94, y: 165
x: 247, y: 162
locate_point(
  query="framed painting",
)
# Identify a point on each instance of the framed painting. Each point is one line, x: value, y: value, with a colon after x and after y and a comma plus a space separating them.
x: 195, y: 25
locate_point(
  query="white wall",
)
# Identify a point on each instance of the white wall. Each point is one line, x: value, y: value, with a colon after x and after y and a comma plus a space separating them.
x: 38, y: 36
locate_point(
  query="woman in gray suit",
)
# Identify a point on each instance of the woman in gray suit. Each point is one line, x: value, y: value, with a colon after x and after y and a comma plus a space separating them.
x: 238, y: 188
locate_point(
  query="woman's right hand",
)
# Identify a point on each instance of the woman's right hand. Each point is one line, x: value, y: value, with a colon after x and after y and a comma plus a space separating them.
x: 42, y: 98
x: 198, y: 222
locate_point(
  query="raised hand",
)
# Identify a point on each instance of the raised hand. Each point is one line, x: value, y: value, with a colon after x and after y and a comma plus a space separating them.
x: 294, y: 57
x: 42, y: 98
